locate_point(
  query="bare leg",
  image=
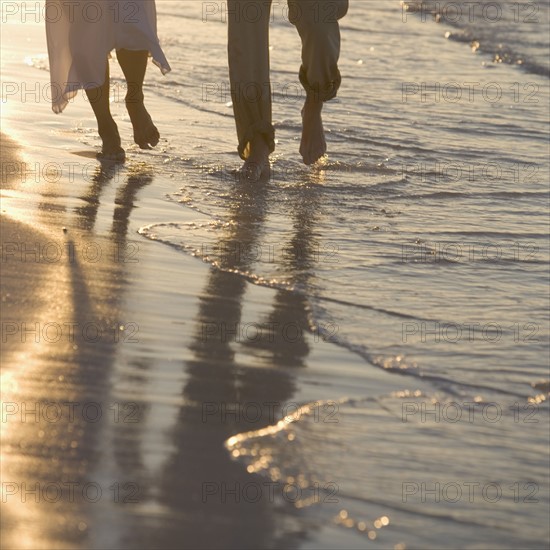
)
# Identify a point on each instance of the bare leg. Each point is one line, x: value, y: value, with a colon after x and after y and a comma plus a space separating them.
x: 134, y: 65
x: 107, y: 128
x: 313, y: 145
x: 317, y: 24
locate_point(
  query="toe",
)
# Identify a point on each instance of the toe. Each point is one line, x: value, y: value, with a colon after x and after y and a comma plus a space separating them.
x: 255, y: 171
x: 154, y: 138
x: 252, y: 172
x: 306, y: 156
x: 142, y: 141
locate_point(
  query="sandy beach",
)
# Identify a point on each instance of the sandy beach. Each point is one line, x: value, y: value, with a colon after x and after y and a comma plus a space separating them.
x: 193, y: 361
x: 118, y: 351
x: 86, y: 314
x: 89, y: 310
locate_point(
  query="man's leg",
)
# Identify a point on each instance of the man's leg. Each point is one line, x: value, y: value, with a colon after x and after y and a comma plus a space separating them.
x: 248, y: 51
x: 106, y: 126
x: 317, y: 24
x: 134, y: 65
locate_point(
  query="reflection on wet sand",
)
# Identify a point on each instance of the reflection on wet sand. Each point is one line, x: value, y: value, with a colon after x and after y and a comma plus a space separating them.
x: 110, y: 496
x: 212, y: 500
x: 56, y: 395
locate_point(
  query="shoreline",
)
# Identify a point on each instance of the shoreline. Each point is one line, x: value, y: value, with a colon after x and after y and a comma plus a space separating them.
x: 131, y: 363
x: 98, y: 314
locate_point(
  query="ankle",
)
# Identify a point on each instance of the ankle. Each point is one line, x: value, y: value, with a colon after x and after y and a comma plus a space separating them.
x: 259, y: 147
x: 108, y: 131
x: 313, y: 103
x: 135, y: 98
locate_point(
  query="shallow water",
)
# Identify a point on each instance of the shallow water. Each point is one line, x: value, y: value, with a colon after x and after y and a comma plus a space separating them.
x: 420, y: 245
x: 424, y: 203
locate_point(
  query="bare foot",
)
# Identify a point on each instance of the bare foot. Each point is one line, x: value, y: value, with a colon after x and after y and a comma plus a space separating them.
x: 111, y: 149
x: 313, y: 145
x: 146, y: 134
x: 256, y: 165
x: 106, y: 155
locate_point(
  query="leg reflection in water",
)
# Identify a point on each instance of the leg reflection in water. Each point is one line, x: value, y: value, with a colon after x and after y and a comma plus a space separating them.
x: 72, y: 375
x: 218, y: 503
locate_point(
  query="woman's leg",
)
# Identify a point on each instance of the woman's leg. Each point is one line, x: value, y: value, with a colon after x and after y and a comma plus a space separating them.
x: 107, y: 128
x: 134, y: 65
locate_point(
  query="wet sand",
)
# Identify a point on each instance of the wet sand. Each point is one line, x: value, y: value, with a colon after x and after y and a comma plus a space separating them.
x: 121, y: 376
x: 118, y: 384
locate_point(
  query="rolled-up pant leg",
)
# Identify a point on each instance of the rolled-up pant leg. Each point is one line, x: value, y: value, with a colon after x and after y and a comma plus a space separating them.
x: 248, y: 52
x: 317, y: 24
